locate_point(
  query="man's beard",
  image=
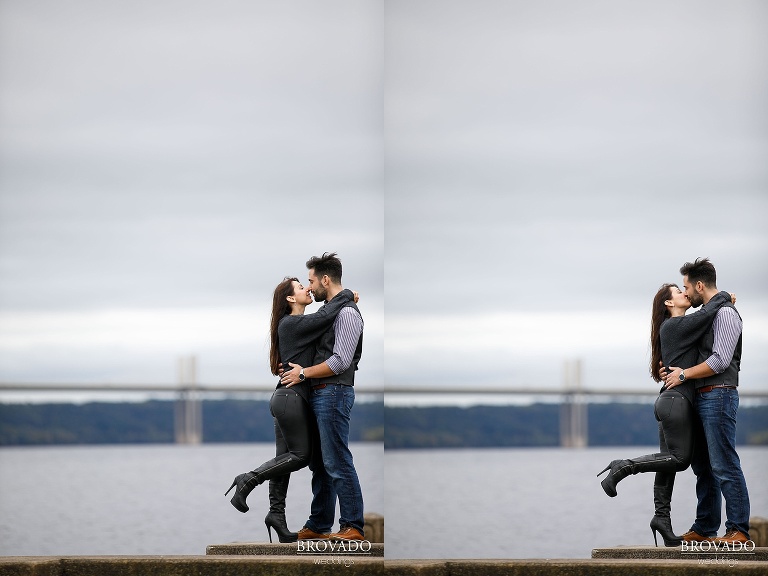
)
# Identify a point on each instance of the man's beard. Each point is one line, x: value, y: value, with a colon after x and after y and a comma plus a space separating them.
x: 696, y: 300
x: 320, y: 295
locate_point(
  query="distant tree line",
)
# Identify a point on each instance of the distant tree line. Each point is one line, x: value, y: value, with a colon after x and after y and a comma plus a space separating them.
x: 153, y: 422
x: 613, y: 424
x: 398, y: 427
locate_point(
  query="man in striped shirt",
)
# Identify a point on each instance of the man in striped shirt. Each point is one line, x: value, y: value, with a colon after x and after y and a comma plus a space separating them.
x: 715, y: 461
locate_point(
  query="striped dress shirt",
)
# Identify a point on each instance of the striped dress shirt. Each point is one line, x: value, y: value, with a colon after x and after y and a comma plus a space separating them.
x: 727, y: 330
x: 347, y: 327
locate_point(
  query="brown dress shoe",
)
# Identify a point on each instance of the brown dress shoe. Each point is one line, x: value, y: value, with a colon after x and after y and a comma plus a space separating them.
x: 692, y: 536
x: 732, y: 537
x: 347, y: 533
x: 307, y: 534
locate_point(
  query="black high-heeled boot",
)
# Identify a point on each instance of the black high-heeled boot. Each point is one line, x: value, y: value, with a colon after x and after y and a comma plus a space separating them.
x: 249, y: 480
x: 662, y: 501
x: 620, y: 469
x: 278, y: 488
x: 663, y: 524
x: 245, y: 483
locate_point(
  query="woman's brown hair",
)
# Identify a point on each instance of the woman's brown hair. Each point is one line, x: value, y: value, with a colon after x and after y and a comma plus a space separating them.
x: 659, y: 313
x: 280, y: 307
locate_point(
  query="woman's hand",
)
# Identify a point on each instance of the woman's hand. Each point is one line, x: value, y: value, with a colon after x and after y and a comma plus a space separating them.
x: 733, y: 298
x: 356, y: 296
x: 662, y: 371
x: 290, y: 377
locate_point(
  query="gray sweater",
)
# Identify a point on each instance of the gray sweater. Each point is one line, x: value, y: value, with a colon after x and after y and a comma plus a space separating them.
x: 680, y: 336
x: 297, y: 335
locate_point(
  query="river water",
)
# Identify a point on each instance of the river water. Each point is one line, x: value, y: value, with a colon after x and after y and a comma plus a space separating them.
x: 148, y: 499
x: 531, y: 503
x: 489, y: 503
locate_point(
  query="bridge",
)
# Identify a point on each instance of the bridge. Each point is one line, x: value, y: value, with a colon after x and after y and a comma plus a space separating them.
x: 188, y: 413
x: 188, y: 417
x: 188, y: 409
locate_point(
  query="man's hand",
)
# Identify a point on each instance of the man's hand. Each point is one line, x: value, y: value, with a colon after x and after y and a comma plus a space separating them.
x: 673, y: 378
x: 290, y: 377
x: 733, y: 297
x: 356, y: 297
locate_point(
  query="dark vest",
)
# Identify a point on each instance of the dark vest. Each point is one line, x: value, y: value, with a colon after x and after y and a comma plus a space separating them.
x: 324, y: 350
x: 730, y: 376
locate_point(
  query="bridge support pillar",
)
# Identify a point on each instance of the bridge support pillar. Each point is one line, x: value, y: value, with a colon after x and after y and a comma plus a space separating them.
x: 188, y: 417
x: 573, y: 410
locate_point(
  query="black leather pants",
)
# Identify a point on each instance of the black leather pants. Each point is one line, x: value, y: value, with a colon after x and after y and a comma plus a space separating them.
x: 293, y: 434
x: 676, y: 427
x: 676, y: 437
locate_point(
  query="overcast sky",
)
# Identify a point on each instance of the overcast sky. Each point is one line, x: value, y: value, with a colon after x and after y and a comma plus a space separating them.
x: 165, y: 164
x: 550, y: 165
x: 507, y: 183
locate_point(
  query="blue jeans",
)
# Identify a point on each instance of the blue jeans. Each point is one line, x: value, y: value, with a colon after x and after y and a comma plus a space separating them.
x: 717, y: 466
x: 332, y: 406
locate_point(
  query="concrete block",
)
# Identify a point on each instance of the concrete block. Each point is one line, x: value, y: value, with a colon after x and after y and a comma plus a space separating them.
x: 701, y: 551
x: 297, y: 549
x: 758, y: 531
x: 374, y: 527
x: 29, y: 566
x: 564, y: 567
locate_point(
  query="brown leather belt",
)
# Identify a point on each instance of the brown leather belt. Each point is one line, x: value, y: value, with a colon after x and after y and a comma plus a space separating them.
x: 706, y: 389
x: 321, y: 386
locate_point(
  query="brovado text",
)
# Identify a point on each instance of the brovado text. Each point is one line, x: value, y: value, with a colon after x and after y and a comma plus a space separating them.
x: 333, y: 547
x: 718, y: 548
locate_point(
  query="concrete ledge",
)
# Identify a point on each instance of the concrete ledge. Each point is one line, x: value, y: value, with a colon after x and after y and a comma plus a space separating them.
x: 30, y: 566
x: 579, y: 567
x: 303, y: 566
x: 305, y: 548
x: 186, y: 565
x: 676, y: 553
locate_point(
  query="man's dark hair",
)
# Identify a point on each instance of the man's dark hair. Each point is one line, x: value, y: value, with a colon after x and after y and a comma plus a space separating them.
x: 326, y: 265
x: 702, y: 271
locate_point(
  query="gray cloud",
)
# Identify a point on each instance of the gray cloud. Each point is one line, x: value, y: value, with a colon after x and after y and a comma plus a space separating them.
x: 576, y: 145
x: 465, y: 158
x: 566, y: 158
x: 177, y: 159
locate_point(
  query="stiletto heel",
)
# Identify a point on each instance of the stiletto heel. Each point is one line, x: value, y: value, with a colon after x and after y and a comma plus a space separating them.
x: 664, y: 525
x: 245, y: 483
x: 618, y: 471
x: 277, y: 521
x: 653, y: 531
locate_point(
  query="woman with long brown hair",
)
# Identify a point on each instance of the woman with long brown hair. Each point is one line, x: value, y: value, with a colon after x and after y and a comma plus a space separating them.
x: 292, y: 338
x: 674, y: 335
